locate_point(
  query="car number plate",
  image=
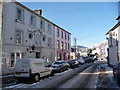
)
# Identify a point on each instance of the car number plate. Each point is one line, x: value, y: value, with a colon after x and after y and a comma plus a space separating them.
x: 18, y: 73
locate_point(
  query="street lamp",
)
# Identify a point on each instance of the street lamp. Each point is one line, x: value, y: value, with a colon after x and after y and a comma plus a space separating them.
x: 34, y: 32
x: 75, y: 46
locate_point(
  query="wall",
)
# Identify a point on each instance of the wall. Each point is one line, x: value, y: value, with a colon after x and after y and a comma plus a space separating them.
x: 10, y: 26
x: 62, y: 40
x: 1, y: 37
x: 113, y: 50
x: 119, y: 42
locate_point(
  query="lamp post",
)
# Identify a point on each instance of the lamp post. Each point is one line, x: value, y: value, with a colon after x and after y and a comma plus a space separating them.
x: 34, y: 33
x: 75, y: 46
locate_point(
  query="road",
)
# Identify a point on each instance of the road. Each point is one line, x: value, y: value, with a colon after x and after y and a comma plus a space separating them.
x: 81, y: 77
x: 84, y: 79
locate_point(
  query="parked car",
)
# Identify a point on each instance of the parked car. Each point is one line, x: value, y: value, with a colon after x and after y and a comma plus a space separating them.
x: 89, y: 59
x: 81, y: 61
x: 116, y: 71
x: 73, y: 63
x: 59, y: 66
x: 31, y: 68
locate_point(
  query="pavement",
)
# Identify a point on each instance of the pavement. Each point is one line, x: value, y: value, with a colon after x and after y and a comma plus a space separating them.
x: 105, y: 78
x: 5, y: 80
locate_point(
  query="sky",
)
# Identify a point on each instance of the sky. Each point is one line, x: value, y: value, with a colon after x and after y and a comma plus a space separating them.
x: 87, y: 21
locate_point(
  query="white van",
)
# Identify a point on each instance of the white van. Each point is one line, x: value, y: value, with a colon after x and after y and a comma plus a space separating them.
x: 31, y: 68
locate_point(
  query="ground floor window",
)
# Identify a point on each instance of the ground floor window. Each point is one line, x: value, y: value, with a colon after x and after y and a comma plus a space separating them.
x: 59, y: 56
x: 37, y: 54
x: 12, y: 60
x: 15, y: 56
x: 23, y: 55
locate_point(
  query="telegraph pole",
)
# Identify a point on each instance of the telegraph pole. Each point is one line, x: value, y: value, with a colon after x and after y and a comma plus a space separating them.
x: 75, y: 46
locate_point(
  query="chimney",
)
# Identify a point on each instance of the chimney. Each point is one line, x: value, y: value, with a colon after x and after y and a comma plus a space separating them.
x: 38, y: 11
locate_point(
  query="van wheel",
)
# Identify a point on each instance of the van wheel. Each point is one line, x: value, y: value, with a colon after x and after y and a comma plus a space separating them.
x: 36, y: 78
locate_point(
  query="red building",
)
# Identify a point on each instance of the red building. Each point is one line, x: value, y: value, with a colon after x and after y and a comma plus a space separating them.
x: 62, y: 43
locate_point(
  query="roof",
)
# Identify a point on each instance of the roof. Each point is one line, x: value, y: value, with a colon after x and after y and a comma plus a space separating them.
x: 118, y: 17
x: 118, y: 24
x: 39, y: 15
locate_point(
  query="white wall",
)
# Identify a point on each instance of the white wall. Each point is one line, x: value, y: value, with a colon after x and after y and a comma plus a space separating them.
x: 114, y: 49
x: 0, y: 38
x: 113, y: 56
x: 119, y: 42
x: 9, y: 31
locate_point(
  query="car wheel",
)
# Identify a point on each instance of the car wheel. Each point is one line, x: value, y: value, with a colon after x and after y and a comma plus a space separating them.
x: 68, y: 68
x: 36, y: 78
x: 118, y: 81
x: 61, y: 70
x: 52, y: 73
x: 114, y: 75
x: 20, y: 80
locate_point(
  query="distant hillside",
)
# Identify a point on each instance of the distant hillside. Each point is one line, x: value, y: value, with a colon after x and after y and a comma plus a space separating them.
x: 81, y: 46
x: 78, y: 46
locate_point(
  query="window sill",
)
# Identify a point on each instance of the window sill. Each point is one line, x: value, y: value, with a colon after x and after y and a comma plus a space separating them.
x: 18, y: 44
x: 12, y: 67
x: 110, y: 46
x: 32, y: 26
x: 19, y: 21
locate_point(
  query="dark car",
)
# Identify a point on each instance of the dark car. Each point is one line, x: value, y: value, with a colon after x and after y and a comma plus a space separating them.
x: 81, y: 61
x: 59, y: 66
x: 73, y: 63
x: 89, y: 59
x: 116, y: 71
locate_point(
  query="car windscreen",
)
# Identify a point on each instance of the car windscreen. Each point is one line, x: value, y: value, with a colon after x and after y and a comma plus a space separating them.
x: 58, y: 63
x: 72, y: 61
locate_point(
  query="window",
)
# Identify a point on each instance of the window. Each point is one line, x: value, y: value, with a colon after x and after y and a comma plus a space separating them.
x: 20, y: 14
x: 32, y: 20
x: 12, y: 60
x: 62, y: 44
x: 68, y: 37
x: 49, y: 42
x: 38, y: 40
x: 116, y: 41
x: 22, y: 55
x: 46, y: 64
x: 68, y: 46
x: 58, y: 44
x: 49, y: 28
x: 65, y: 36
x: 62, y: 34
x: 65, y: 45
x: 18, y: 37
x: 42, y: 24
x: 58, y: 32
x: 110, y: 40
x: 18, y: 56
x: 37, y: 54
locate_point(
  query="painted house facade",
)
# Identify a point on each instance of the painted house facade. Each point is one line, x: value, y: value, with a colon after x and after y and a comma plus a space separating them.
x: 25, y: 33
x: 113, y: 37
x: 62, y: 44
x: 101, y: 49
